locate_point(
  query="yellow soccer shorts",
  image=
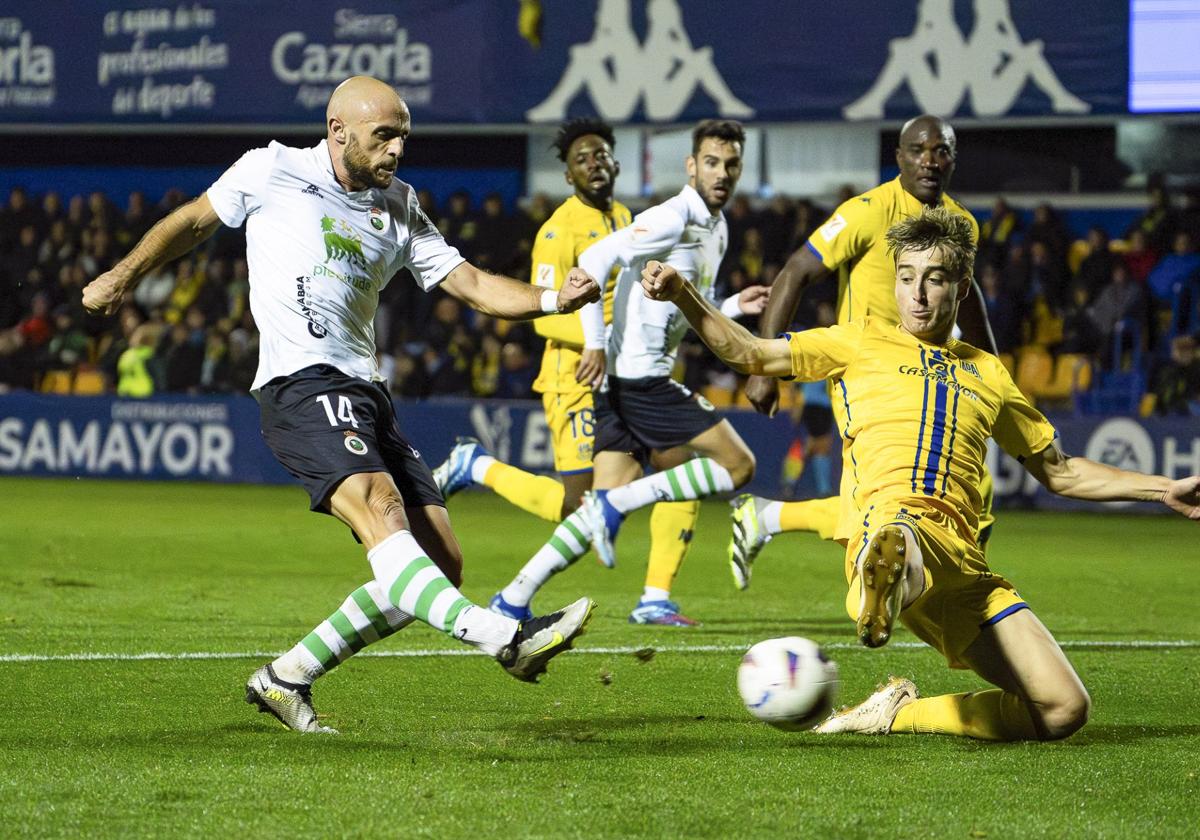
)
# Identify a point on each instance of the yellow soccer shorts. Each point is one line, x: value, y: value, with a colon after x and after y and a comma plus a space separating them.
x: 962, y: 595
x: 572, y: 421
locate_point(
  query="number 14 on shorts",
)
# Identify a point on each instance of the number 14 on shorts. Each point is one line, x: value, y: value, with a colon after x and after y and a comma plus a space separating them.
x: 345, y: 411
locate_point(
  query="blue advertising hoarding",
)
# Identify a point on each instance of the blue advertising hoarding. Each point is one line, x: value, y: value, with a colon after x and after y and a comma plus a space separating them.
x: 228, y: 62
x: 217, y: 439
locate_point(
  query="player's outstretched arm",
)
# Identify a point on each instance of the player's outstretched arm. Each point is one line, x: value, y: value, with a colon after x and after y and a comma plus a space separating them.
x: 802, y: 268
x: 504, y: 297
x: 171, y: 238
x: 1080, y: 478
x: 732, y: 343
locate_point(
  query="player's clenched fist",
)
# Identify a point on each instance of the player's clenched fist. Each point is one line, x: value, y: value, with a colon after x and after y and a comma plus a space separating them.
x: 578, y: 289
x: 660, y: 281
x: 103, y: 295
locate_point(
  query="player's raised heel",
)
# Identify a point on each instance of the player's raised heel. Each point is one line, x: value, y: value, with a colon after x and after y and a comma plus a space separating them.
x: 882, y: 578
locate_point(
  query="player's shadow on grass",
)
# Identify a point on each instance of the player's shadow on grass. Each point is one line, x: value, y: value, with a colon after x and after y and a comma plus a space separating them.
x: 1122, y: 733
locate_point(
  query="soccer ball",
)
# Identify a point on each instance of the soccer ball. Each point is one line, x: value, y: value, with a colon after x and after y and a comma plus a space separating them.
x: 788, y: 682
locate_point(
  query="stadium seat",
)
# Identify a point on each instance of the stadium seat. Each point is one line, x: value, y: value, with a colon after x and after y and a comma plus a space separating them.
x: 56, y: 382
x: 1035, y: 369
x: 1072, y: 376
x: 89, y: 382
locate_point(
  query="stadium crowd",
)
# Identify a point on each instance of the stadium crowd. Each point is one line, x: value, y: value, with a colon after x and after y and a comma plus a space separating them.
x: 1065, y: 310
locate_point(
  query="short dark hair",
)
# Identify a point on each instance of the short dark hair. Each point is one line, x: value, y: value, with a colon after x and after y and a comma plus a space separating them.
x: 572, y: 130
x: 936, y: 227
x: 731, y: 131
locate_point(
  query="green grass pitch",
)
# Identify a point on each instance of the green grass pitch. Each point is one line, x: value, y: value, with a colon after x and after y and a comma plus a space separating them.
x: 608, y: 745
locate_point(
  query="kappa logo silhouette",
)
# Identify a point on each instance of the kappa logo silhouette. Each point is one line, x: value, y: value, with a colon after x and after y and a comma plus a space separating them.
x: 617, y: 71
x: 942, y: 67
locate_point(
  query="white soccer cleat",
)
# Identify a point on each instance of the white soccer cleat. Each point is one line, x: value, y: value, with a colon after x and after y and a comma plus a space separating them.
x: 290, y: 703
x: 540, y: 639
x: 874, y: 715
x: 747, y: 539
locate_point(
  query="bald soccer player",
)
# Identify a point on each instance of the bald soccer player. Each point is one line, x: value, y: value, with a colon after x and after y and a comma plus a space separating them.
x: 326, y: 228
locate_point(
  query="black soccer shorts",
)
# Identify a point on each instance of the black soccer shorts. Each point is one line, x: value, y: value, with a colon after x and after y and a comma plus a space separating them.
x: 642, y: 415
x: 323, y: 426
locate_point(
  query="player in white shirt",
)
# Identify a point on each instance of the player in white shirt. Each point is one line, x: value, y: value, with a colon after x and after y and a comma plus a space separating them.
x: 326, y: 228
x: 642, y: 415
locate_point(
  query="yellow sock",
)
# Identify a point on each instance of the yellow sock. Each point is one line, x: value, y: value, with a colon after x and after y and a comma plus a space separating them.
x: 991, y: 715
x: 538, y: 494
x: 820, y: 515
x: 671, y: 525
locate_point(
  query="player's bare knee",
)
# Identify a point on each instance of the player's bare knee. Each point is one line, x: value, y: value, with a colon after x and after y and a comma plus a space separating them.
x: 1064, y: 715
x: 386, y: 510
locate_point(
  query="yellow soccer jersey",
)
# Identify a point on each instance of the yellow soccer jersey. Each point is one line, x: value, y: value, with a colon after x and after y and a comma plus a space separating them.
x: 918, y: 415
x: 852, y: 241
x: 566, y: 234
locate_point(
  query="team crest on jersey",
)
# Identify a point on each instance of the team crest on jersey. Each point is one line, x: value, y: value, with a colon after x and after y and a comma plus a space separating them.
x: 355, y: 444
x: 376, y: 216
x: 342, y: 242
x: 704, y: 403
x: 833, y: 227
x: 545, y: 276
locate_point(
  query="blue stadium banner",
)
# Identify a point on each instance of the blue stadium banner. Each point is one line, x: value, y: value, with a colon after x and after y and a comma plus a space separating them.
x: 229, y: 62
x: 217, y: 439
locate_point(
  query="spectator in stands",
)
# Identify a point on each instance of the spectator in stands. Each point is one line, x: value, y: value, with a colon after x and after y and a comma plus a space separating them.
x: 1047, y: 279
x: 752, y: 255
x: 740, y: 216
x: 1159, y: 222
x: 134, y: 367
x: 1096, y: 270
x: 135, y: 222
x: 68, y: 346
x: 1049, y: 229
x: 775, y: 224
x: 52, y: 211
x: 1139, y: 258
x: 1120, y: 304
x: 20, y: 257
x: 495, y: 236
x: 1079, y: 332
x: 17, y: 214
x: 997, y: 232
x: 215, y: 369
x: 1175, y: 271
x: 808, y: 218
x: 58, y: 248
x: 181, y: 356
x: 458, y: 224
x: 517, y: 372
x: 1001, y: 310
x: 1176, y: 385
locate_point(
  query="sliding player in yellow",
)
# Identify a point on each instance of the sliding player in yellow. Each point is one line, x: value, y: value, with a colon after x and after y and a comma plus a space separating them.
x: 586, y: 147
x: 920, y: 407
x: 852, y: 243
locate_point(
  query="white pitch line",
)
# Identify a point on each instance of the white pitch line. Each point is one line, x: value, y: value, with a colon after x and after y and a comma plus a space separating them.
x: 1078, y: 644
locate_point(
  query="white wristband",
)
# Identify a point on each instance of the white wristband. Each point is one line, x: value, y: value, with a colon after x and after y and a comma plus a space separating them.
x: 550, y: 301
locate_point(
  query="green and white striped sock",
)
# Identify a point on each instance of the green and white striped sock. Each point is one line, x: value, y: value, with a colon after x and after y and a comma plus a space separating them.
x: 569, y: 542
x: 692, y: 479
x: 416, y: 586
x: 363, y: 618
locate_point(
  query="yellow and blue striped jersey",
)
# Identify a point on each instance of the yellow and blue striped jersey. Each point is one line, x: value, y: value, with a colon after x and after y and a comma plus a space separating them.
x: 917, y: 415
x: 569, y: 231
x: 853, y: 242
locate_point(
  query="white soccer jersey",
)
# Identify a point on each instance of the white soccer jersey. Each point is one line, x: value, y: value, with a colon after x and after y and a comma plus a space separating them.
x: 318, y: 256
x: 644, y: 335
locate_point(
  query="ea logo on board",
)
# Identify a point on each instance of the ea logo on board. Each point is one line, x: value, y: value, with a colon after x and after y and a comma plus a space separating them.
x: 1122, y: 443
